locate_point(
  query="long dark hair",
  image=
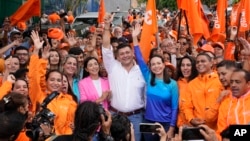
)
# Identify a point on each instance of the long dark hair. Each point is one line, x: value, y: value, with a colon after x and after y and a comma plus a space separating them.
x: 70, y: 91
x: 194, y: 71
x: 85, y: 64
x: 166, y: 77
x: 87, y: 120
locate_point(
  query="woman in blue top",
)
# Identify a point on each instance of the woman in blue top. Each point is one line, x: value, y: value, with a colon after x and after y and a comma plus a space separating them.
x: 161, y: 92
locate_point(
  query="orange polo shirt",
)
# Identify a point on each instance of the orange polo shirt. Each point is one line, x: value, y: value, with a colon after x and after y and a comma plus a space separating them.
x: 201, y: 99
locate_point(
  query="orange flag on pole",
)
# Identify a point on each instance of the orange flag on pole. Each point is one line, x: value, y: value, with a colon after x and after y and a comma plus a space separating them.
x: 149, y: 29
x: 235, y: 14
x: 26, y: 11
x: 101, y: 12
x: 194, y: 16
x: 245, y: 15
x: 219, y: 22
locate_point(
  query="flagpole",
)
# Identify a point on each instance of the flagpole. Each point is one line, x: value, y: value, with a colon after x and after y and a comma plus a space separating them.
x: 179, y: 25
x: 226, y: 27
x: 187, y: 26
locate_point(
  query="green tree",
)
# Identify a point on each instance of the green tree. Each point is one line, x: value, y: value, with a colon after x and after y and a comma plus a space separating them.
x: 171, y: 4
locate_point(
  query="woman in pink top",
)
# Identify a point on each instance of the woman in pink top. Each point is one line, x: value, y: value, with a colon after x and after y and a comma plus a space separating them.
x: 93, y: 87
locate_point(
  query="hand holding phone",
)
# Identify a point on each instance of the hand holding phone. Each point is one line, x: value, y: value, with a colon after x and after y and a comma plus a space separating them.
x: 149, y: 127
x: 192, y: 133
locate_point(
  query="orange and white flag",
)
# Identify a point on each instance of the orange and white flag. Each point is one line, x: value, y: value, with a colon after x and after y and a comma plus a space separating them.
x: 149, y: 29
x: 220, y: 20
x: 26, y: 11
x: 101, y: 12
x: 245, y: 15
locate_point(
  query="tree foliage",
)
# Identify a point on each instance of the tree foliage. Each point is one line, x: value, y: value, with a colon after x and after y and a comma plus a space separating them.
x: 171, y: 4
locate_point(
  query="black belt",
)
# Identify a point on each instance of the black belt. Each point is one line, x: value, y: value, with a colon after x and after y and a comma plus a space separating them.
x: 126, y: 113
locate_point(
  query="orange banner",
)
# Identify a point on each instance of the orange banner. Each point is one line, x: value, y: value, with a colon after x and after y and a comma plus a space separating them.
x: 26, y: 11
x: 149, y: 29
x: 101, y: 12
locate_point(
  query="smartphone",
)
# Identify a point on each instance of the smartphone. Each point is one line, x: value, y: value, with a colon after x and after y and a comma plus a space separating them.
x: 192, y: 133
x: 148, y: 127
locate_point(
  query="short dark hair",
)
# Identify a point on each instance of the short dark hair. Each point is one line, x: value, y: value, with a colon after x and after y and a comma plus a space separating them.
x: 12, y: 122
x: 120, y: 127
x: 75, y: 51
x: 247, y: 74
x: 21, y: 48
x: 120, y: 46
x: 228, y: 64
x: 204, y: 54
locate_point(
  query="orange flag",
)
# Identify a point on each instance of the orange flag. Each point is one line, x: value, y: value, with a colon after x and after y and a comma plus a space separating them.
x: 26, y: 11
x: 235, y: 14
x: 149, y: 29
x: 245, y: 15
x: 101, y: 12
x: 219, y: 22
x: 194, y: 16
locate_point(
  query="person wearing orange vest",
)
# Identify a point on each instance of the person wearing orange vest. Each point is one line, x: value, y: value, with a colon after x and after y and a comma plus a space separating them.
x: 201, y: 105
x: 235, y: 108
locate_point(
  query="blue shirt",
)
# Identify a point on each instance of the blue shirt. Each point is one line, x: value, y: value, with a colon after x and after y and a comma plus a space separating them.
x: 162, y: 99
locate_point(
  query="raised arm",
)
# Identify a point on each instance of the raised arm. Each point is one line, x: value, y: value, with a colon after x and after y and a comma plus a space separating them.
x: 138, y: 55
x: 7, y: 47
x: 106, y: 33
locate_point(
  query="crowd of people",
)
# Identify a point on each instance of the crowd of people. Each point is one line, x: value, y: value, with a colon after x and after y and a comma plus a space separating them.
x: 99, y: 86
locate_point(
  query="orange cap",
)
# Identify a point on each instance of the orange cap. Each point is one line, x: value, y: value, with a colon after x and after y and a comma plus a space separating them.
x: 55, y: 33
x: 218, y: 44
x: 21, y: 26
x: 206, y: 47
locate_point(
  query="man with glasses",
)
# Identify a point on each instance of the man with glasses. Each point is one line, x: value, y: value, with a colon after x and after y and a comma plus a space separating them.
x: 23, y: 55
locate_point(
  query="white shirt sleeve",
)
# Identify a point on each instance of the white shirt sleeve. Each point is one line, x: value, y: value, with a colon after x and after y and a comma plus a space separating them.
x: 108, y: 59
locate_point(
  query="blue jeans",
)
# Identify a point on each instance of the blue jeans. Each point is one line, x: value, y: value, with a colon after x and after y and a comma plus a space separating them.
x: 135, y: 119
x: 155, y: 137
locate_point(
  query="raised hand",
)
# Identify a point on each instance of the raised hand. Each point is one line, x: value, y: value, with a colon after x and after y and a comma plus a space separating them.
x: 136, y: 30
x: 71, y: 39
x: 109, y: 18
x: 246, y: 46
x: 38, y: 44
x: 45, y: 52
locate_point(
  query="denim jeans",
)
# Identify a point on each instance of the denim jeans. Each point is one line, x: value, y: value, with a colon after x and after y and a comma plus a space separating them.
x: 135, y: 119
x: 155, y: 137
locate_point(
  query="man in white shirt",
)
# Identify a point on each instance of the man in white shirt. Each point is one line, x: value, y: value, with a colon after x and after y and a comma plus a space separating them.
x: 126, y: 80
